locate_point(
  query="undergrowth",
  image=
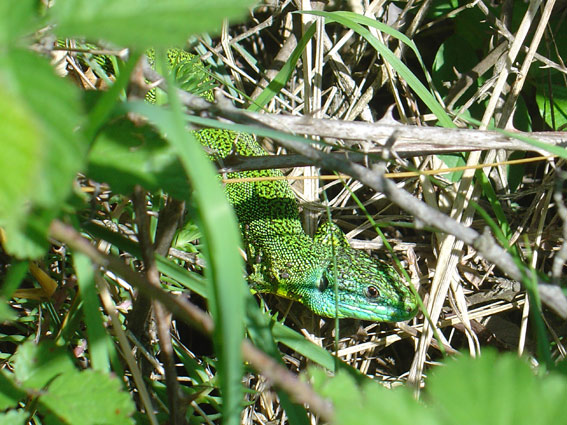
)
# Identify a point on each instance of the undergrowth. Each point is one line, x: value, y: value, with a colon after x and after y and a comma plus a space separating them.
x: 110, y: 209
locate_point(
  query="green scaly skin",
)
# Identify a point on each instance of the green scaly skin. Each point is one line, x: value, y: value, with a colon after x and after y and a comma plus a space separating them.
x: 285, y: 261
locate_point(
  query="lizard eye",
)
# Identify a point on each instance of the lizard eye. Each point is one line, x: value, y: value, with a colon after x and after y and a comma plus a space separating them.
x: 372, y: 292
x: 323, y: 283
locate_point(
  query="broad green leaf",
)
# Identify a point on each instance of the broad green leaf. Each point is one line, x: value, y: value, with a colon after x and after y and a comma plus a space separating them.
x: 20, y: 160
x: 553, y: 110
x: 493, y: 389
x: 6, y: 313
x: 14, y: 277
x: 38, y: 364
x: 28, y: 239
x: 392, y: 405
x: 369, y: 403
x: 14, y: 417
x: 10, y: 394
x: 87, y: 398
x: 125, y: 155
x: 454, y: 56
x: 42, y: 150
x: 471, y: 25
x: 496, y: 389
x: 442, y: 8
x: 342, y: 390
x: 55, y: 106
x: 143, y: 23
x: 17, y: 18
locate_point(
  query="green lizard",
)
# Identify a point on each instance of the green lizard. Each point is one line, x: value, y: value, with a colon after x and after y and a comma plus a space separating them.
x: 285, y: 261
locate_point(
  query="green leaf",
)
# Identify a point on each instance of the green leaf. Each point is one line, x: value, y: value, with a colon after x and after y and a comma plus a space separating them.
x: 55, y: 108
x: 101, y: 110
x: 143, y: 23
x: 369, y: 402
x: 41, y: 151
x: 496, y: 389
x: 125, y: 155
x: 6, y: 313
x: 185, y: 237
x: 38, y: 364
x: 471, y: 25
x: 454, y: 56
x: 10, y: 394
x: 14, y: 417
x: 493, y: 389
x: 96, y: 332
x: 516, y: 172
x: 553, y: 109
x: 19, y: 162
x: 87, y: 398
x: 14, y: 277
x: 17, y: 18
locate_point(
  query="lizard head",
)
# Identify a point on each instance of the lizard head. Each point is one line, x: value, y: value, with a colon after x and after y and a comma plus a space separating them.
x: 366, y: 288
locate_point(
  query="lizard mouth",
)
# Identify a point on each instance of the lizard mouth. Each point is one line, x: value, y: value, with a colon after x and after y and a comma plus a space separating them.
x: 379, y: 313
x: 376, y: 312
